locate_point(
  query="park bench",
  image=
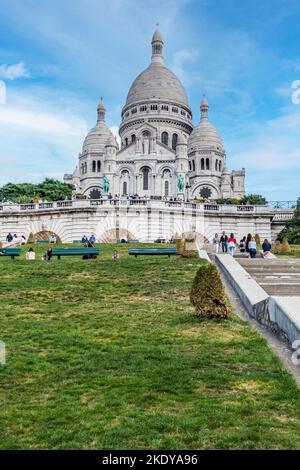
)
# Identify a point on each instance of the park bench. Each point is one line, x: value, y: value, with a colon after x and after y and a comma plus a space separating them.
x: 12, y: 252
x: 153, y: 251
x: 84, y: 252
x: 42, y: 241
x: 77, y: 241
x: 128, y: 241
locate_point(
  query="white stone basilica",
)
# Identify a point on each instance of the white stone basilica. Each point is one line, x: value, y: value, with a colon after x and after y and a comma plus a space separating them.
x: 162, y: 155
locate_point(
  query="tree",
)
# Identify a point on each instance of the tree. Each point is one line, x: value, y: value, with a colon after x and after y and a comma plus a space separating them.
x: 291, y: 232
x: 254, y: 200
x: 49, y: 189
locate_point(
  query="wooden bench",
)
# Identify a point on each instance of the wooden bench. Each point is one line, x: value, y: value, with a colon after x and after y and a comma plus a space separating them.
x: 84, y: 252
x: 12, y: 252
x: 42, y: 241
x: 153, y: 251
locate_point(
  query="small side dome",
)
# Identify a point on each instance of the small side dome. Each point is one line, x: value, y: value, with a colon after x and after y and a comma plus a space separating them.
x: 96, y: 139
x: 111, y: 141
x: 205, y: 135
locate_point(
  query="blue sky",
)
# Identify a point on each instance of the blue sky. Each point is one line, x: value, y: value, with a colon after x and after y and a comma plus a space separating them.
x: 58, y: 57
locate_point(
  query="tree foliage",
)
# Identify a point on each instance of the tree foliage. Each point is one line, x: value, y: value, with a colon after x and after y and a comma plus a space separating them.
x: 49, y: 189
x: 254, y: 200
x: 291, y: 232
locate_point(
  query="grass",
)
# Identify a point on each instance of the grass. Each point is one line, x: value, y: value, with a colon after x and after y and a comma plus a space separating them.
x: 295, y: 253
x: 104, y: 355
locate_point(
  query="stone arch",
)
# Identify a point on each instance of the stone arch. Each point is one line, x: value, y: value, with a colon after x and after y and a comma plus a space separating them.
x: 42, y: 235
x: 200, y: 238
x: 114, y: 234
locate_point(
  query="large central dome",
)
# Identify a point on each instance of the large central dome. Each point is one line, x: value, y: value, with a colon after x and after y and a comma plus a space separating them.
x: 157, y: 82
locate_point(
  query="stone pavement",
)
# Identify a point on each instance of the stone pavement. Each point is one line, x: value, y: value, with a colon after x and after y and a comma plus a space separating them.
x: 280, y: 277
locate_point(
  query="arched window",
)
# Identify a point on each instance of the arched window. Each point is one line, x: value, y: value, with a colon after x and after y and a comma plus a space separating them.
x: 126, y: 141
x: 193, y: 165
x: 98, y: 166
x: 174, y: 141
x: 202, y: 163
x: 166, y: 174
x: 145, y: 173
x: 124, y: 188
x: 94, y: 166
x: 190, y: 166
x: 165, y: 138
x: 133, y: 139
x: 82, y: 168
x: 216, y: 165
x: 207, y: 163
x: 220, y: 165
x: 85, y: 167
x: 166, y: 188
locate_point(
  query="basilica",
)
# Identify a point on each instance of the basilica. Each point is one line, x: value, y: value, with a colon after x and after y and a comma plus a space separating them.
x: 162, y: 155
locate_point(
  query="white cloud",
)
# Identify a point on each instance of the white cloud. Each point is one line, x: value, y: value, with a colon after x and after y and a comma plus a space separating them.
x: 179, y: 64
x: 13, y: 71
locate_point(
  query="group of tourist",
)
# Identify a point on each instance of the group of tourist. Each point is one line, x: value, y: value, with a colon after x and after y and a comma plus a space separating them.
x: 88, y: 241
x: 14, y: 238
x: 247, y: 244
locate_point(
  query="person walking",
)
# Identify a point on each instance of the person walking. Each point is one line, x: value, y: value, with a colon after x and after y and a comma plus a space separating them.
x: 266, y: 248
x: 216, y: 243
x: 231, y: 244
x: 9, y: 237
x: 252, y: 247
x: 242, y: 245
x: 249, y: 237
x: 224, y: 242
x: 115, y: 255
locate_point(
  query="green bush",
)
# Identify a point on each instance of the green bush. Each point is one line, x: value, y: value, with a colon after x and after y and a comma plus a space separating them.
x: 207, y: 293
x: 292, y: 230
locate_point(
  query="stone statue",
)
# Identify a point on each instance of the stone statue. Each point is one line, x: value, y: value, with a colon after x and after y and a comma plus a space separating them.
x: 106, y: 184
x: 180, y: 183
x: 146, y: 145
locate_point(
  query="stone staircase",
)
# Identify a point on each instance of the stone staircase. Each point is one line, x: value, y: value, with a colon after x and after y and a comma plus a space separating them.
x: 280, y: 277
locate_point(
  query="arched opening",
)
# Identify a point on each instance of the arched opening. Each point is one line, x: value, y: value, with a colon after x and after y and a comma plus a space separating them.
x: 145, y: 176
x: 124, y: 188
x: 43, y: 235
x: 133, y: 139
x: 165, y: 138
x: 85, y: 167
x: 166, y: 188
x: 202, y: 163
x: 207, y: 163
x: 220, y: 165
x: 98, y: 166
x: 94, y: 166
x: 174, y: 141
x: 216, y: 165
x: 126, y: 141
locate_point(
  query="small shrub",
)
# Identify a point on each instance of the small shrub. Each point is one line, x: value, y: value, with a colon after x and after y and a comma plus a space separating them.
x: 257, y: 240
x: 285, y: 246
x: 180, y: 246
x: 190, y: 254
x: 277, y: 247
x: 207, y: 293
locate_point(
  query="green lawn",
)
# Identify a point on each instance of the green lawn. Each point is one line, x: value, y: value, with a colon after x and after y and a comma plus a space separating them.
x: 109, y: 355
x: 295, y: 253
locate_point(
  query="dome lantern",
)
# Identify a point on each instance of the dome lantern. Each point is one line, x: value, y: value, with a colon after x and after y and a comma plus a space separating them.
x: 157, y: 48
x: 204, y: 109
x: 101, y: 111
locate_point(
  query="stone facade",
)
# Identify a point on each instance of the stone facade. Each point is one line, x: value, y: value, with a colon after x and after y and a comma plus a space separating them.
x: 162, y: 154
x: 138, y: 220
